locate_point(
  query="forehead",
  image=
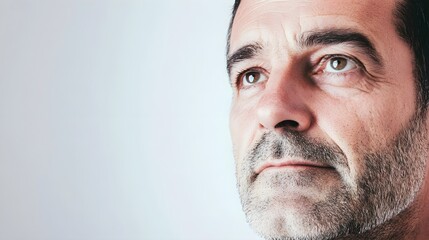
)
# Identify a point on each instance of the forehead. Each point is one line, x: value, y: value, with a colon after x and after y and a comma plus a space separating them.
x: 281, y: 22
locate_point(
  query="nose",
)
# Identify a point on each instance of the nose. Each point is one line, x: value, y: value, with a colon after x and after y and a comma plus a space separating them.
x: 282, y: 107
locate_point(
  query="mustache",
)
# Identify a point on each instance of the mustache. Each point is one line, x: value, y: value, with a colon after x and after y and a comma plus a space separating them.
x: 272, y: 146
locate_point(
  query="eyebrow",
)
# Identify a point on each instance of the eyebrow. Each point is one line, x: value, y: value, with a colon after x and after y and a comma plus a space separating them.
x: 315, y: 38
x: 244, y: 53
x: 342, y: 36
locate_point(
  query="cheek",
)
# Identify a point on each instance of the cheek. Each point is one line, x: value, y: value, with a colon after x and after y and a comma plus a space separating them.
x: 362, y: 125
x: 243, y: 124
x: 346, y: 129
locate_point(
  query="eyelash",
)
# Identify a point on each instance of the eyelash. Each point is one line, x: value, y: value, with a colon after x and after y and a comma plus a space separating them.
x: 241, y: 72
x: 326, y: 58
x: 321, y: 62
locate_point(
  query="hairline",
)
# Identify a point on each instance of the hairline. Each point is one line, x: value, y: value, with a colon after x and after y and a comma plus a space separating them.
x: 422, y: 101
x: 397, y: 21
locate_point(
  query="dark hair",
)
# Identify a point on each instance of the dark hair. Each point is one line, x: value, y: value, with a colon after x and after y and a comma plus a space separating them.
x: 234, y: 11
x: 412, y: 25
x: 411, y: 20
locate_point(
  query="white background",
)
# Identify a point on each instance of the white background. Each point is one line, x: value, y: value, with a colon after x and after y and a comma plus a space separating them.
x: 114, y: 121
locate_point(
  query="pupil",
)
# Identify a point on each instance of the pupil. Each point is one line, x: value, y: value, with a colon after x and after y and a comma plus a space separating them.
x: 338, y: 63
x: 252, y: 77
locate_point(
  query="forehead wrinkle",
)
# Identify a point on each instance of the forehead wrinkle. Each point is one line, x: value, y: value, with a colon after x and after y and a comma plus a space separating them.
x: 282, y: 34
x: 244, y: 10
x: 259, y: 12
x: 279, y: 33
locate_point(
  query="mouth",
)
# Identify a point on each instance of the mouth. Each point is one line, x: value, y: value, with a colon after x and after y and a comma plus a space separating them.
x: 292, y: 165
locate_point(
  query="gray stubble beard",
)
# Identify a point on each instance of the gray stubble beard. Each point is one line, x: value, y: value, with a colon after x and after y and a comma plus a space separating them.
x: 363, y: 207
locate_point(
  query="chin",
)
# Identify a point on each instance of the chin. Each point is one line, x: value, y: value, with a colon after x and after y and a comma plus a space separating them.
x: 276, y: 226
x: 292, y: 222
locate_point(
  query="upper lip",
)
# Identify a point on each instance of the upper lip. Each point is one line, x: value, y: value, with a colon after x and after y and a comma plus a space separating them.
x: 290, y: 162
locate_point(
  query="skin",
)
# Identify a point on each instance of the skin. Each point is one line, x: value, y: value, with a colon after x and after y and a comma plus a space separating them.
x: 356, y: 112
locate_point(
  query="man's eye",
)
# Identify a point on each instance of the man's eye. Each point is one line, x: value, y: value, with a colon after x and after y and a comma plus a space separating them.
x: 339, y: 65
x: 252, y: 77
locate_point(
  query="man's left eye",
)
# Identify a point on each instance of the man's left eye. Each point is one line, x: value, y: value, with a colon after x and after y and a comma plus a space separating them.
x: 339, y: 64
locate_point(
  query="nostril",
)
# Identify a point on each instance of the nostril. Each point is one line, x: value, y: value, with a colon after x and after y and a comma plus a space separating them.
x: 287, y: 124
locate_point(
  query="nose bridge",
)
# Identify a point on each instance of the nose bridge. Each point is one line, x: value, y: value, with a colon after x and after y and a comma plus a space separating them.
x: 278, y: 92
x: 286, y: 74
x: 283, y: 103
x: 280, y: 86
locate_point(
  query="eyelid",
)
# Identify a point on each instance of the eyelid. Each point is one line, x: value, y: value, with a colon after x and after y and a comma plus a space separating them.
x: 241, y: 73
x: 326, y: 58
x: 352, y: 77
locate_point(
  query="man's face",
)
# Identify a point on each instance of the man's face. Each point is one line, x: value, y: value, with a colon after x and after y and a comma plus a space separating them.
x: 326, y: 136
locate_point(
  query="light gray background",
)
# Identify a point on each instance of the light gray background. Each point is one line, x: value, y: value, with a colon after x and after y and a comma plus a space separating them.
x: 114, y: 121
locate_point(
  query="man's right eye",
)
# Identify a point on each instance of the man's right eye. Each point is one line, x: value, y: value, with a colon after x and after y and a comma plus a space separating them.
x: 251, y: 77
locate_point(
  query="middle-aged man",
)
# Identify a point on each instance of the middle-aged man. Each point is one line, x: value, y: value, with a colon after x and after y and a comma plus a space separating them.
x: 329, y: 117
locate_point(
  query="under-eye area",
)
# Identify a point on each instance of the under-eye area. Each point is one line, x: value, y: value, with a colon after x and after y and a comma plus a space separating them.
x: 329, y: 120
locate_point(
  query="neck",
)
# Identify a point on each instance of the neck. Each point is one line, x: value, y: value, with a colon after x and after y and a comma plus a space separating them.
x: 401, y: 227
x: 423, y: 227
x: 410, y: 224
